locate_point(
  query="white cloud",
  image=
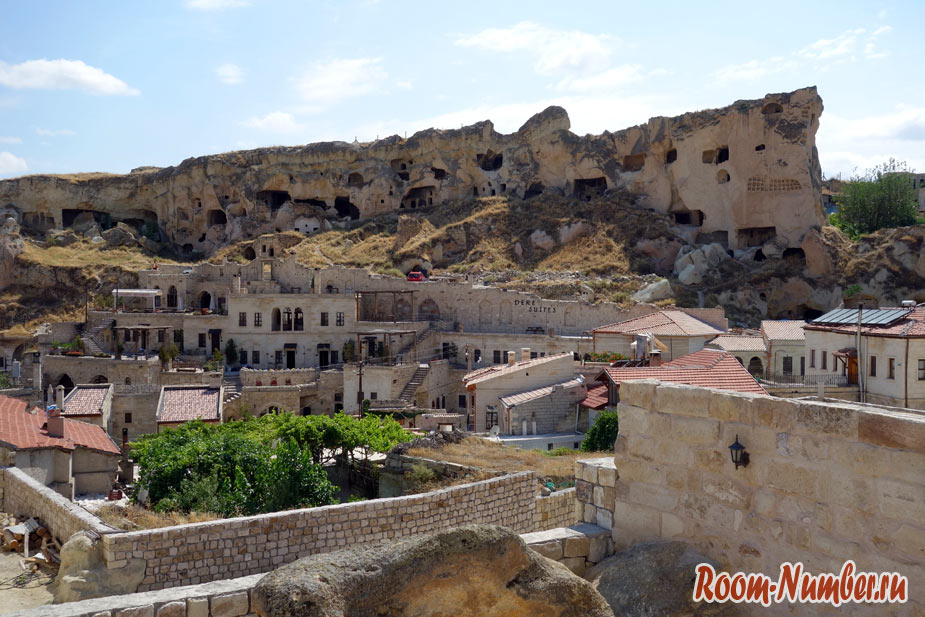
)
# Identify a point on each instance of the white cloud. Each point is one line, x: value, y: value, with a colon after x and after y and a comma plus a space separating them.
x: 274, y: 122
x: 230, y: 74
x: 847, y: 145
x: 62, y: 75
x: 11, y: 164
x: 405, y: 84
x: 10, y: 140
x: 55, y: 132
x: 327, y: 82
x: 842, y: 45
x: 606, y: 80
x: 754, y: 70
x: 556, y: 51
x: 215, y: 5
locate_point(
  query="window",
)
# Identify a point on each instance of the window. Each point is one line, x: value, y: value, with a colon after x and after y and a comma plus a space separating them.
x: 278, y: 358
x: 921, y: 370
x: 461, y: 401
x: 825, y: 360
x: 287, y: 320
x: 373, y: 396
x: 202, y: 339
x: 258, y: 319
x: 891, y: 368
x: 788, y: 365
x: 802, y: 365
x: 491, y: 419
x: 333, y: 357
x: 324, y: 319
x: 299, y: 320
x: 255, y: 357
x: 340, y: 318
x: 496, y: 357
x: 242, y: 356
x: 178, y: 338
x: 812, y: 358
x: 873, y: 366
x: 478, y: 355
x: 534, y: 355
x: 505, y: 357
x: 242, y: 318
x: 128, y: 417
x: 160, y: 336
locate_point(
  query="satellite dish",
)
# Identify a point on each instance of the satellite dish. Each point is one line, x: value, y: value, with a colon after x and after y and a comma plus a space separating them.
x: 495, y: 431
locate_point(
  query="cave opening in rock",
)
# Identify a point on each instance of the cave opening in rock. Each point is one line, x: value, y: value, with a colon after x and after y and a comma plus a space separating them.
x: 249, y: 253
x: 202, y: 238
x: 439, y: 174
x: 318, y: 203
x: 722, y: 154
x: 69, y: 216
x: 722, y: 176
x: 811, y: 314
x: 771, y: 109
x: 418, y: 196
x: 755, y: 236
x: 688, y: 217
x: 404, y: 175
x: 273, y: 199
x: 588, y: 188
x: 759, y: 148
x: 759, y: 255
x: 535, y: 189
x: 490, y: 161
x: 671, y: 156
x: 344, y: 208
x: 795, y: 253
x: 187, y: 248
x: 475, y: 191
x: 355, y: 180
x: 217, y: 217
x: 634, y: 162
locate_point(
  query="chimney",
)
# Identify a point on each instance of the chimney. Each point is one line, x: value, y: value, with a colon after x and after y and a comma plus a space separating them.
x: 59, y: 398
x: 655, y: 358
x: 236, y: 285
x: 524, y: 353
x: 55, y: 424
x: 512, y: 357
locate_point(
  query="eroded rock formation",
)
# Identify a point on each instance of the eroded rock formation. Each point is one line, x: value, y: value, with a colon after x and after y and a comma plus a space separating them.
x: 474, y: 571
x: 740, y: 176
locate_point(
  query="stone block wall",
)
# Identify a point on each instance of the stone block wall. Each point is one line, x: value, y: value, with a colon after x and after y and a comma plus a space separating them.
x: 577, y: 547
x: 827, y: 482
x: 596, y: 490
x: 559, y: 509
x: 22, y: 494
x: 192, y: 554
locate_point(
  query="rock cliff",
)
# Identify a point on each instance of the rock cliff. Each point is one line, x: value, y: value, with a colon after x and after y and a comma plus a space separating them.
x: 740, y: 176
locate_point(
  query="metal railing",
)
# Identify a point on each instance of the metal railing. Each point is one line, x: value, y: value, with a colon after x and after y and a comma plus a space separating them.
x: 781, y: 379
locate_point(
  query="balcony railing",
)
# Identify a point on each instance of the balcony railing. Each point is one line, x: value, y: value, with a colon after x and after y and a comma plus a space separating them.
x: 772, y: 380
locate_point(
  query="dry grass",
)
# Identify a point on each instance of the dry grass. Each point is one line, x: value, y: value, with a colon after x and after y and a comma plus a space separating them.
x: 133, y: 517
x: 86, y: 254
x: 479, y: 452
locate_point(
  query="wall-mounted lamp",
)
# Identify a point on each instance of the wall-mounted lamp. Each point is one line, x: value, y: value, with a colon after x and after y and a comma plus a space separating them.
x: 738, y: 453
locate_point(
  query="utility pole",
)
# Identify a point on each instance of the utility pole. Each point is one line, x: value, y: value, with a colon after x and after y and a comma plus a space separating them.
x: 360, y: 390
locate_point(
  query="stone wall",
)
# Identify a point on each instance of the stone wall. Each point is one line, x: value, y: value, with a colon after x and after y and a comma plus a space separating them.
x: 826, y: 482
x: 192, y: 554
x: 577, y: 547
x: 596, y: 490
x: 21, y: 494
x: 559, y: 509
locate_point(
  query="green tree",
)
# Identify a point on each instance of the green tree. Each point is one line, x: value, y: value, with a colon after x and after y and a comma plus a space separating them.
x: 231, y: 352
x: 215, y: 363
x: 883, y: 197
x: 350, y: 351
x: 603, y: 434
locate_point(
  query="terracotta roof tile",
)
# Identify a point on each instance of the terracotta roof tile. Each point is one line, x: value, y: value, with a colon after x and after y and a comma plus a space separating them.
x: 86, y: 400
x: 490, y: 372
x: 531, y: 395
x: 22, y: 430
x: 911, y: 325
x: 664, y: 323
x: 737, y: 342
x: 783, y: 330
x: 597, y: 397
x: 185, y: 403
x: 708, y: 368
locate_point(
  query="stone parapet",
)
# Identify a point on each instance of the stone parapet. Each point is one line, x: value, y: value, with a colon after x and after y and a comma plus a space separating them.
x: 577, y: 547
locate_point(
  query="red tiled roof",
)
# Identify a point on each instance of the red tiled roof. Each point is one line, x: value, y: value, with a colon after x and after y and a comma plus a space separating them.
x: 664, y: 323
x: 490, y: 372
x: 185, y: 403
x: 597, y: 397
x: 911, y: 325
x: 783, y: 330
x: 708, y: 368
x: 85, y: 400
x: 22, y: 430
x: 530, y: 395
x: 737, y: 342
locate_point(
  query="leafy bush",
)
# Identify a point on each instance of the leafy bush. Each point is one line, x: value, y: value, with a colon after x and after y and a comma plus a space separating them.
x: 420, y: 476
x: 215, y: 363
x: 4, y: 381
x: 558, y: 452
x: 605, y: 356
x: 883, y: 197
x: 603, y: 434
x: 254, y: 465
x: 231, y: 351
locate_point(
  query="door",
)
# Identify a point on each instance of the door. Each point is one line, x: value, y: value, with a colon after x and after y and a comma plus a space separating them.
x: 216, y: 340
x: 852, y: 370
x: 290, y: 358
x: 324, y: 358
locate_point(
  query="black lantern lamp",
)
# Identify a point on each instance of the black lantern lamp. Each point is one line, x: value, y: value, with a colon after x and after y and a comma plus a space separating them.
x: 738, y: 453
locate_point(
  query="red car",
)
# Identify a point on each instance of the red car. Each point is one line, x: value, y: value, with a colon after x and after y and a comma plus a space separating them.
x: 415, y: 277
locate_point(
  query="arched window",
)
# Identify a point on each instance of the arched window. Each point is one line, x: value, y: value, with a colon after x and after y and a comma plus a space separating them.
x: 275, y: 322
x: 172, y: 297
x: 287, y: 319
x: 128, y: 381
x: 205, y: 300
x: 299, y: 321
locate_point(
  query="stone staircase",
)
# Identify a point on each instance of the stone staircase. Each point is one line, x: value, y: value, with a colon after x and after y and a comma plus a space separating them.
x: 232, y: 388
x: 91, y: 343
x: 407, y: 393
x: 422, y: 336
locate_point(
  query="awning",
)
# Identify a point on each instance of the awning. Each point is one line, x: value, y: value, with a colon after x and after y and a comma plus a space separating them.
x: 215, y: 331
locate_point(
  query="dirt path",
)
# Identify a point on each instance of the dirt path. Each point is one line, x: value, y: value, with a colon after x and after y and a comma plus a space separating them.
x: 19, y: 590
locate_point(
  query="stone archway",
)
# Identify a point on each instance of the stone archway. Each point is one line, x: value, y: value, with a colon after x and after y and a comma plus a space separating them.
x: 402, y: 310
x: 755, y: 366
x: 100, y: 379
x: 486, y: 312
x: 205, y: 300
x: 66, y: 381
x: 172, y: 297
x: 428, y: 310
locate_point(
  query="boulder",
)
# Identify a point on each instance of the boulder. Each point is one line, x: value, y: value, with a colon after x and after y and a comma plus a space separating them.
x: 570, y: 232
x: 83, y: 222
x: 64, y: 238
x: 691, y: 275
x: 120, y: 235
x: 83, y: 573
x: 715, y: 254
x: 661, y: 252
x: 659, y: 290
x: 471, y: 571
x: 818, y: 261
x: 654, y: 580
x: 541, y: 239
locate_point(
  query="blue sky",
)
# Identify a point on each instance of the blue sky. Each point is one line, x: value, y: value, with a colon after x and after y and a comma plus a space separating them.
x: 108, y: 86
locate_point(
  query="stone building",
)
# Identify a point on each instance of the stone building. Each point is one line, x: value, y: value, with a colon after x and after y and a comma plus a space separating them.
x: 680, y: 331
x: 89, y: 403
x: 180, y: 404
x: 786, y: 343
x: 750, y: 351
x: 69, y: 456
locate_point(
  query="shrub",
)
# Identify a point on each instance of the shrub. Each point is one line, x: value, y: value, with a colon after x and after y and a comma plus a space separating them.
x: 883, y: 197
x: 420, y: 476
x: 603, y: 434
